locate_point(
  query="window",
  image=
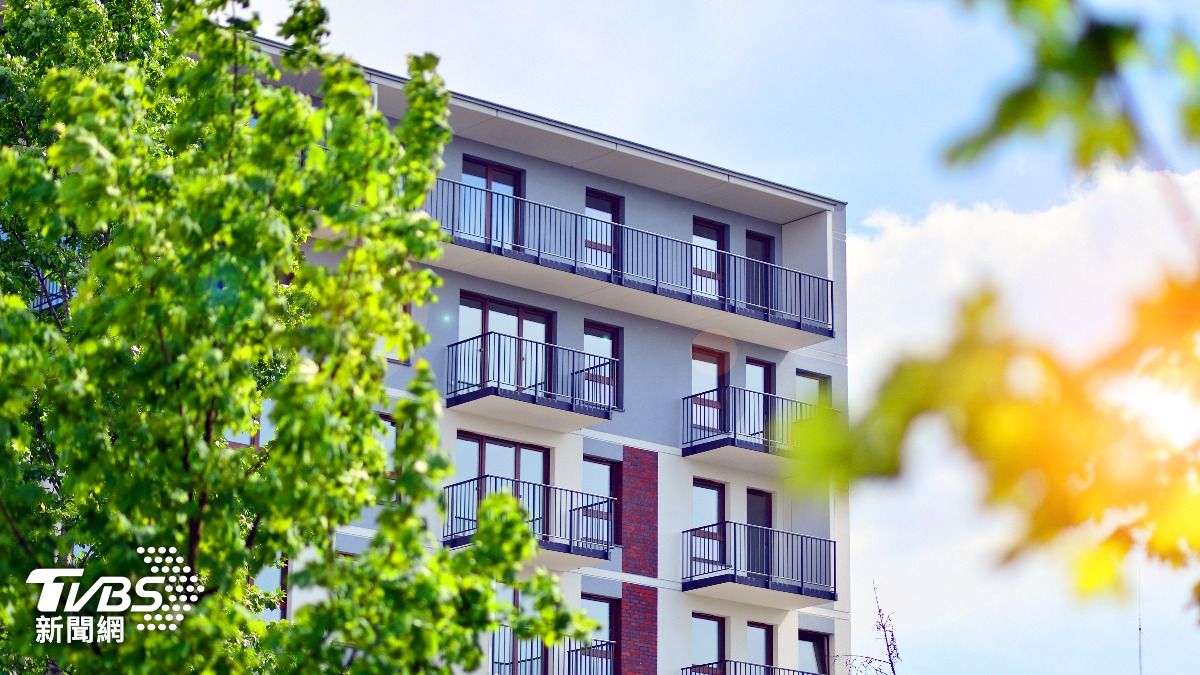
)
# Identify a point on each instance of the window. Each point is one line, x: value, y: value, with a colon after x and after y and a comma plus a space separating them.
x: 483, y: 456
x: 603, y: 477
x: 753, y: 410
x: 707, y: 547
x: 707, y: 263
x: 600, y: 235
x: 760, y: 644
x: 601, y: 379
x: 387, y: 438
x: 760, y: 545
x: 709, y: 377
x: 758, y: 274
x: 760, y: 376
x: 812, y: 388
x: 270, y: 579
x: 708, y: 640
x: 490, y: 202
x: 814, y: 653
x: 517, y: 357
x: 607, y: 613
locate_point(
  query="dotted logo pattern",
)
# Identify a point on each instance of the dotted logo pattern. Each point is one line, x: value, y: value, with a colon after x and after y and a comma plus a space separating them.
x: 183, y: 588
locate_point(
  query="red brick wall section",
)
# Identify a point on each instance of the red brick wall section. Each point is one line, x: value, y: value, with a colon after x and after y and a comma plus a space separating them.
x: 639, y: 512
x: 638, y: 640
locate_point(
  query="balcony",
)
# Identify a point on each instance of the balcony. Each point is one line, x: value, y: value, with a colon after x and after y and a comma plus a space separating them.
x: 514, y: 379
x: 573, y: 529
x: 514, y: 656
x: 759, y: 565
x: 740, y: 668
x: 53, y: 294
x: 740, y: 428
x: 532, y: 245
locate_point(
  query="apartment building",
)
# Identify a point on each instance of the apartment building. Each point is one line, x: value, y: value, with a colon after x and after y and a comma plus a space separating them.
x: 622, y: 338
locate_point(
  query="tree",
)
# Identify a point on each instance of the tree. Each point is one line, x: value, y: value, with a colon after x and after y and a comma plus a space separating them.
x: 871, y: 665
x: 1051, y: 441
x: 156, y: 186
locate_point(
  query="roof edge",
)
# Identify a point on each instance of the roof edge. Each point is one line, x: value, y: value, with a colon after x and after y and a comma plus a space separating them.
x: 376, y: 74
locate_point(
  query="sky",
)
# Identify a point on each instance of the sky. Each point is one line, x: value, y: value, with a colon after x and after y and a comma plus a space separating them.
x: 858, y: 101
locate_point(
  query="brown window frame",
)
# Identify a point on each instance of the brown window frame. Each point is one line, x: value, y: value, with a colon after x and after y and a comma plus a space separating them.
x: 283, y: 575
x: 821, y: 640
x: 719, y: 275
x: 721, y: 626
x: 824, y: 386
x: 769, y: 368
x: 618, y: 217
x: 492, y: 167
x: 618, y: 337
x: 614, y: 490
x: 522, y: 310
x: 614, y: 630
x: 481, y: 457
x: 770, y: 640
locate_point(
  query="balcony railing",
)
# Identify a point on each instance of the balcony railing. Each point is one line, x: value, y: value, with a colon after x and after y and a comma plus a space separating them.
x: 612, y: 252
x: 740, y: 668
x: 561, y: 519
x: 514, y: 656
x: 743, y: 416
x: 53, y: 296
x: 759, y: 556
x: 543, y: 373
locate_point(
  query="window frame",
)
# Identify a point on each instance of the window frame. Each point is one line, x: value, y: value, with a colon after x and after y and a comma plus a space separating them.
x: 283, y: 576
x: 614, y: 489
x: 614, y: 630
x: 770, y: 629
x: 481, y: 458
x: 768, y: 367
x: 722, y: 637
x: 824, y: 385
x: 821, y: 643
x: 618, y: 339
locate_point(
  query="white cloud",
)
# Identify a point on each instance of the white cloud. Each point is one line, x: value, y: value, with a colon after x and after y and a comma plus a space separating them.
x: 1067, y: 275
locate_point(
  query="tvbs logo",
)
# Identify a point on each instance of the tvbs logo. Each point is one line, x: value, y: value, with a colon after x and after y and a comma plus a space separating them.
x: 158, y: 600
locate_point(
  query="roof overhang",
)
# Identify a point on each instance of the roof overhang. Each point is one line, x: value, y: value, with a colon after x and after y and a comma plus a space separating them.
x: 595, y: 152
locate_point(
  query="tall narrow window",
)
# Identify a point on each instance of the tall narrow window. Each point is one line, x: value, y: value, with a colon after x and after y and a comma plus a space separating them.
x: 601, y: 239
x: 709, y: 376
x: 760, y: 644
x: 602, y: 477
x: 707, y: 261
x: 490, y: 203
x: 607, y: 613
x: 601, y: 377
x: 707, y: 536
x: 814, y: 653
x: 760, y: 545
x: 708, y: 640
x: 812, y: 388
x: 757, y: 278
x: 754, y: 407
x: 269, y: 579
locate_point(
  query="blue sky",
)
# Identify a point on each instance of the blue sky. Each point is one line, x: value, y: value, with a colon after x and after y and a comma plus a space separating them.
x: 857, y: 100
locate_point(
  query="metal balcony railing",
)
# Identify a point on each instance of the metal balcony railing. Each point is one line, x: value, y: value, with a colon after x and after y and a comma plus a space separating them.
x: 742, y: 415
x: 545, y: 373
x: 573, y: 242
x: 513, y: 656
x: 54, y: 295
x: 740, y: 668
x: 561, y: 519
x: 749, y: 553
